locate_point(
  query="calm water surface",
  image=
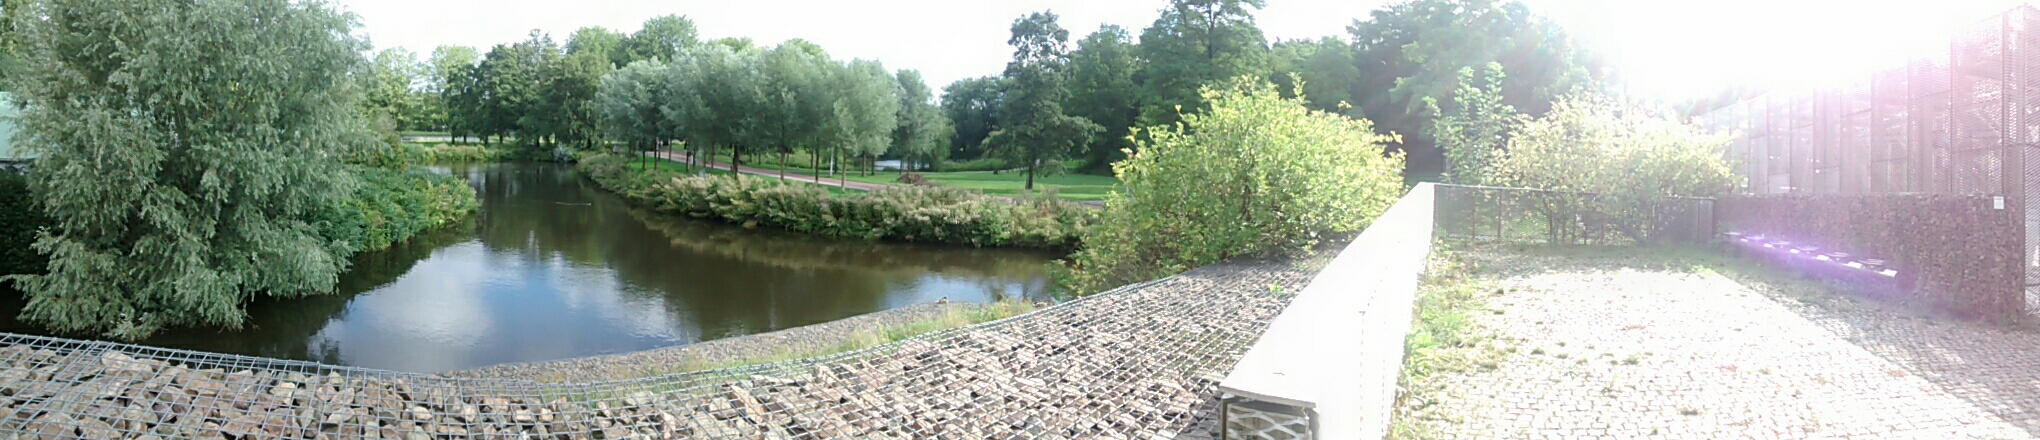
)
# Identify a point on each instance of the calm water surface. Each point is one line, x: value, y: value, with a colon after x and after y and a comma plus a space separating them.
x: 553, y: 268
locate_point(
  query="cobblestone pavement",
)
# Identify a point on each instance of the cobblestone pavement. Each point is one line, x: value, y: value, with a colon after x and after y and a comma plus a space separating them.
x: 1607, y: 343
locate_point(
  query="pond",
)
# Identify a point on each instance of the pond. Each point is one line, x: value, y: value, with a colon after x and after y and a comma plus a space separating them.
x: 552, y: 268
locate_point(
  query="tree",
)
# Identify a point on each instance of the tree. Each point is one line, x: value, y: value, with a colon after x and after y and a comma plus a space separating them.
x: 1102, y: 90
x: 177, y: 198
x: 866, y: 108
x: 452, y: 71
x: 1476, y: 128
x: 511, y: 84
x: 390, y: 89
x: 972, y: 107
x: 661, y: 38
x: 1324, y: 65
x: 921, y: 132
x: 1194, y: 43
x: 719, y: 100
x: 629, y: 103
x: 1034, y: 133
x: 570, y: 85
x: 799, y: 101
x: 1254, y: 173
x: 603, y: 43
x: 1415, y: 50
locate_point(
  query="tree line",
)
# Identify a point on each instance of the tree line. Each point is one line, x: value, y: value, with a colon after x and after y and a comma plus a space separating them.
x: 1386, y: 69
x: 1397, y: 68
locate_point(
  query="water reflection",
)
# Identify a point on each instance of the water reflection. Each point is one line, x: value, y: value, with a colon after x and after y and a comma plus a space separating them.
x: 553, y: 268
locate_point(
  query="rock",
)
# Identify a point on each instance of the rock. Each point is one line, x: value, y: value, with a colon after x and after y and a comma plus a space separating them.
x: 640, y: 398
x: 284, y: 390
x: 522, y: 417
x: 468, y: 414
x: 340, y: 417
x: 246, y: 426
x: 419, y: 413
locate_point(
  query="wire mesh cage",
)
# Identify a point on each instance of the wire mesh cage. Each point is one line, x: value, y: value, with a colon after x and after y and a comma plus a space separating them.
x: 1081, y: 369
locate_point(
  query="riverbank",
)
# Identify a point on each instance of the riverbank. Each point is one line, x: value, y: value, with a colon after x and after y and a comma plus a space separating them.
x: 905, y: 213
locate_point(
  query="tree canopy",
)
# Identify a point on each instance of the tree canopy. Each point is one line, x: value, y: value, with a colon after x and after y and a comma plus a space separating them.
x: 175, y: 198
x: 1034, y: 133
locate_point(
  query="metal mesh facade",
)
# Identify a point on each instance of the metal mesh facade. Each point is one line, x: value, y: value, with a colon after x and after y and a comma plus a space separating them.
x: 1961, y: 121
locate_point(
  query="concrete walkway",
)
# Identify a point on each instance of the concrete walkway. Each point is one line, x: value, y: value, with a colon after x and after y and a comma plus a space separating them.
x: 1630, y: 344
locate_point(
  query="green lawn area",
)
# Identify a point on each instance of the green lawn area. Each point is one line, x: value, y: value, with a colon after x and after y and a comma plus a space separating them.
x: 1071, y: 187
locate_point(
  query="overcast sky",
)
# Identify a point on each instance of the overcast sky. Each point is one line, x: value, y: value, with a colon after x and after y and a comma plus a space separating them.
x: 1674, y: 48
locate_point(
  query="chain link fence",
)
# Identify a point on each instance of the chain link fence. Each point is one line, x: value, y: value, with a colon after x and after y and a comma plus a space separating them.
x: 1541, y: 216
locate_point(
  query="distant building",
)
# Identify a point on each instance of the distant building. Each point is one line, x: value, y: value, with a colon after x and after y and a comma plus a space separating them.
x: 11, y: 158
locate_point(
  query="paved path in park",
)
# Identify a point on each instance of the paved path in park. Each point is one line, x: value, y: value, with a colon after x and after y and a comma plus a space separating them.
x: 1606, y: 346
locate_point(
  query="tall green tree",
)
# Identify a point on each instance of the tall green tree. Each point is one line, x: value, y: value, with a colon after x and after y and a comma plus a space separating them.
x: 1034, y: 133
x: 1415, y: 50
x: 630, y: 104
x: 178, y: 197
x: 972, y: 107
x: 1194, y: 43
x: 867, y: 107
x: 799, y: 106
x: 602, y: 42
x: 1102, y: 90
x: 1324, y: 65
x: 391, y: 92
x: 452, y: 72
x: 511, y: 82
x: 570, y: 86
x: 922, y: 133
x: 661, y: 38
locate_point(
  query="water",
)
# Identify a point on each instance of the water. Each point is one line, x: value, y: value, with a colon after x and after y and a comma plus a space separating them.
x: 553, y: 268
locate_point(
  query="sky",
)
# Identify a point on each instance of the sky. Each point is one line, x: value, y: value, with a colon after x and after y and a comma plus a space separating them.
x: 1672, y: 49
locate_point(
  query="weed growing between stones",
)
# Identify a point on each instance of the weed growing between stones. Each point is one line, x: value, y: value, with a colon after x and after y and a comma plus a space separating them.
x: 1443, y: 339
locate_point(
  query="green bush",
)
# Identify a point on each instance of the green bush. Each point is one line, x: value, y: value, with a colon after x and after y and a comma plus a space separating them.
x: 985, y: 164
x: 391, y: 206
x: 1615, y: 162
x: 1259, y: 173
x: 905, y: 213
x: 19, y: 220
x: 438, y: 153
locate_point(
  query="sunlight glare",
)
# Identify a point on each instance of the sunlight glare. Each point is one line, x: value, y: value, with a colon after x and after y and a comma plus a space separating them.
x: 1690, y: 49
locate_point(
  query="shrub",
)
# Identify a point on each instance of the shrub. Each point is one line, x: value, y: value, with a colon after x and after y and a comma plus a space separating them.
x: 905, y: 213
x: 393, y: 205
x: 1259, y: 173
x: 985, y: 164
x: 1614, y: 161
x: 439, y: 153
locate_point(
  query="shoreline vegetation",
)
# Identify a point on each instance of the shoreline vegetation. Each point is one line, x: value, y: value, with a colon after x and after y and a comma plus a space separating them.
x: 904, y: 213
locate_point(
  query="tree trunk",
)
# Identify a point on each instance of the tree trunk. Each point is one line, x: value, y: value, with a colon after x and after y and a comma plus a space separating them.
x: 736, y: 155
x: 1030, y: 176
x: 782, y: 165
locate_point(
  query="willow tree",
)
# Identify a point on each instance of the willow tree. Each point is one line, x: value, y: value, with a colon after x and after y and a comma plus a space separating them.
x: 183, y: 166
